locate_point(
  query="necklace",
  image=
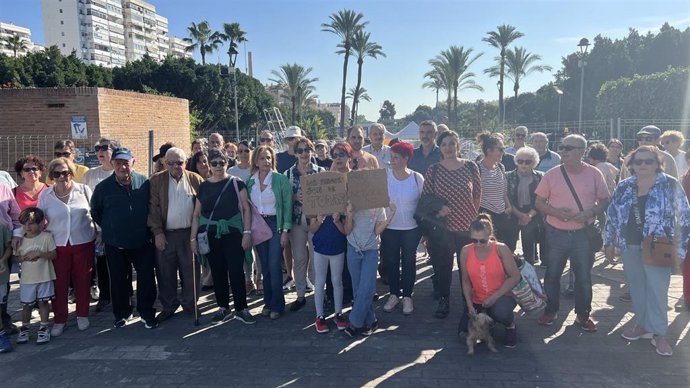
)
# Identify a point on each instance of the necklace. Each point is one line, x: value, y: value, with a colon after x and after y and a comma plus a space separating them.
x: 69, y: 191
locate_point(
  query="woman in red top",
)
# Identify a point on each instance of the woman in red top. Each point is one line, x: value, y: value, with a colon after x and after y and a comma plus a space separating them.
x: 489, y: 274
x: 29, y: 169
x: 686, y: 262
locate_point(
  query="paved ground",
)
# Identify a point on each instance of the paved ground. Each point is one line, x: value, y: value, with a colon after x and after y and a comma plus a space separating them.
x: 418, y: 350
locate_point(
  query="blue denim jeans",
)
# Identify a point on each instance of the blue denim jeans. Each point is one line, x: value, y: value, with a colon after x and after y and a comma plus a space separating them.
x: 400, y: 248
x: 271, y: 256
x: 501, y: 312
x: 574, y: 245
x: 362, y: 266
x: 648, y: 291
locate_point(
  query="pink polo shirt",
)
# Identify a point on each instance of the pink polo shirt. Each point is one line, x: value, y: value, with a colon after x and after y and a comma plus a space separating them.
x: 589, y: 184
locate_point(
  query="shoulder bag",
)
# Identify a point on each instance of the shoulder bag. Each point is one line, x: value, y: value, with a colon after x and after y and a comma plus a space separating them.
x: 658, y: 251
x: 202, y: 237
x: 261, y: 232
x: 593, y: 230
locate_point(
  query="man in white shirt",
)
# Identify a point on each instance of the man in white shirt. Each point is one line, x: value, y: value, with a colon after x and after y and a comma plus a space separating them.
x: 673, y: 142
x: 519, y: 138
x: 382, y: 152
x: 171, y: 206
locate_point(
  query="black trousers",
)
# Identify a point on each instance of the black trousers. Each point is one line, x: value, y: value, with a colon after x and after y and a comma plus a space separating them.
x: 120, y: 263
x: 443, y: 246
x: 226, y: 258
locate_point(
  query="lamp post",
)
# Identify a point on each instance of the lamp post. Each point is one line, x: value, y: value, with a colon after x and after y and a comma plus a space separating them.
x: 232, y: 53
x: 560, y: 94
x: 583, y: 45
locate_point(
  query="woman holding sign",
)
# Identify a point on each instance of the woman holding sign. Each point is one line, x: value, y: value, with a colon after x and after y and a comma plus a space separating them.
x: 300, y: 236
x: 400, y: 239
x: 271, y: 193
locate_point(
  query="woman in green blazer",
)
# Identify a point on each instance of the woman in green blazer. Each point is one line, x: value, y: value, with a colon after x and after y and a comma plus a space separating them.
x: 271, y: 193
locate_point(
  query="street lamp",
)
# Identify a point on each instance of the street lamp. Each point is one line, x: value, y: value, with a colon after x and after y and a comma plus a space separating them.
x: 583, y: 45
x: 232, y: 53
x: 560, y: 94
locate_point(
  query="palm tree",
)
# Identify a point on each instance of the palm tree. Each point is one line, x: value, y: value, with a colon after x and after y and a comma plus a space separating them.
x: 434, y: 83
x: 344, y: 24
x: 359, y: 94
x: 520, y: 64
x: 439, y: 75
x: 15, y: 44
x: 504, y: 35
x: 203, y: 38
x: 234, y: 35
x: 451, y: 66
x: 296, y: 78
x: 363, y: 48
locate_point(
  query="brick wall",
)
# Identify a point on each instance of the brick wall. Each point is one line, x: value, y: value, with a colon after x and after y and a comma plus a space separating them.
x: 31, y: 120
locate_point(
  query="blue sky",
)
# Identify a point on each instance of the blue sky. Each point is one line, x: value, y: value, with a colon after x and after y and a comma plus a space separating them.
x: 410, y: 31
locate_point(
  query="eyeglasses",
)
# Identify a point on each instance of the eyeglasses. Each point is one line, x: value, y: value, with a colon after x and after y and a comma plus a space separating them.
x: 480, y: 241
x: 646, y: 138
x: 30, y: 169
x: 337, y: 155
x: 303, y: 150
x: 568, y: 148
x: 104, y: 147
x: 177, y: 163
x: 520, y: 135
x: 266, y: 139
x: 218, y: 163
x: 65, y: 154
x: 639, y: 162
x: 522, y: 161
x: 58, y: 174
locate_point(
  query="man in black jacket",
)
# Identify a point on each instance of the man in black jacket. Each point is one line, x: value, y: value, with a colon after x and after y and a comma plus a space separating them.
x: 120, y: 206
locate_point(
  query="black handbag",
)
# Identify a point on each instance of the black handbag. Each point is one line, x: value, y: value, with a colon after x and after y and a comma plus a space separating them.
x: 593, y: 230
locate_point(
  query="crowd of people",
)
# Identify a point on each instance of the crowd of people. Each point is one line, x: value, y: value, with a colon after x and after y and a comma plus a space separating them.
x: 231, y: 218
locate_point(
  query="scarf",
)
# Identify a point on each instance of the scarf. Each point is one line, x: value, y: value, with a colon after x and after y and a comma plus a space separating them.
x: 223, y: 227
x: 523, y: 192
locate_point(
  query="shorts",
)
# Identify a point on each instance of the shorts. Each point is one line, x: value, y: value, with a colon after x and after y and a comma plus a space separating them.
x: 3, y: 293
x: 38, y: 292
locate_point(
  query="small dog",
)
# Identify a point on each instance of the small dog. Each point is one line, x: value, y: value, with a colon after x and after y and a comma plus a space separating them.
x: 480, y: 329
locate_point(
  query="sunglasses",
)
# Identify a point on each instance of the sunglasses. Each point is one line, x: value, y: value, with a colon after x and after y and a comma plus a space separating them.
x: 337, y: 155
x: 103, y: 147
x: 646, y: 138
x: 30, y: 169
x: 480, y: 241
x: 58, y: 174
x: 218, y: 163
x: 63, y: 154
x: 266, y: 139
x: 171, y: 163
x: 639, y: 162
x: 303, y: 150
x: 521, y: 161
x: 289, y: 138
x: 568, y: 148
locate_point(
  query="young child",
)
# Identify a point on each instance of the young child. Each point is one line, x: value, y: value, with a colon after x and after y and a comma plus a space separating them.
x: 36, y: 254
x: 5, y: 254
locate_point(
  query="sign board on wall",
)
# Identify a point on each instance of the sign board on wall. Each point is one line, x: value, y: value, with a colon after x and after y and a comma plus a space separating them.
x: 78, y: 125
x: 329, y: 192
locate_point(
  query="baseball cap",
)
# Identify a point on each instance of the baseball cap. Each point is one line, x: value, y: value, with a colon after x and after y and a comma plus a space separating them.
x: 650, y: 130
x: 122, y: 154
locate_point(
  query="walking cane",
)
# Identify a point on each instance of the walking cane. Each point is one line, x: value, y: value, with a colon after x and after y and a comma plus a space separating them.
x: 196, y: 307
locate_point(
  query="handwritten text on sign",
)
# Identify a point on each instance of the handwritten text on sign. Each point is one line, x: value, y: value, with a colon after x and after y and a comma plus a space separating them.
x: 328, y: 192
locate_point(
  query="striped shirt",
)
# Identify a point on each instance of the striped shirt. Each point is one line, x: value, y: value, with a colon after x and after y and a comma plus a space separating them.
x: 494, y: 188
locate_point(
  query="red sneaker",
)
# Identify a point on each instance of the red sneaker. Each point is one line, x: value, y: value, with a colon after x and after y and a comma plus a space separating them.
x: 341, y: 322
x: 321, y: 326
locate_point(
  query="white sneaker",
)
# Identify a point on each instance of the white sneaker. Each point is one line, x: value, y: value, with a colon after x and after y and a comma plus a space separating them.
x: 57, y: 329
x: 83, y: 323
x: 408, y: 307
x: 43, y: 336
x: 94, y: 293
x: 393, y: 301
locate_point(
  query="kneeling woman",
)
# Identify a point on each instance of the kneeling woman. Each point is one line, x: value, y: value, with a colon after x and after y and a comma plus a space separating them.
x: 489, y: 274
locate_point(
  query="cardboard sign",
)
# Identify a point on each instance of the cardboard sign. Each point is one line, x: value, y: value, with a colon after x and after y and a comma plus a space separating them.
x: 328, y: 192
x: 324, y: 193
x: 367, y: 189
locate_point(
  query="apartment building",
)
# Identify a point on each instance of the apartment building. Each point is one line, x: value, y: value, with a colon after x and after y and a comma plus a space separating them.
x: 8, y: 30
x: 177, y: 47
x: 106, y: 32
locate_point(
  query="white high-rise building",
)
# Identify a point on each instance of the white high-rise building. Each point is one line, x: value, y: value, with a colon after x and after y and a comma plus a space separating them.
x: 8, y: 30
x: 177, y: 47
x: 146, y: 32
x: 92, y: 28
